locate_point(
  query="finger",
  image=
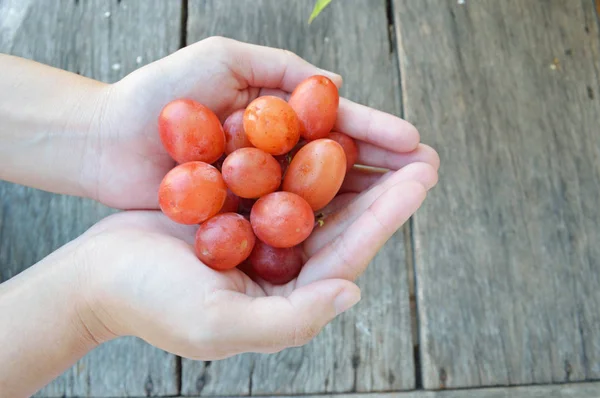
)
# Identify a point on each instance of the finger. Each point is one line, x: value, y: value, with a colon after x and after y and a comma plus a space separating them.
x: 152, y: 221
x: 186, y: 233
x: 376, y: 127
x: 372, y: 155
x: 337, y: 223
x: 274, y: 92
x: 337, y: 203
x: 270, y: 67
x: 270, y: 324
x: 358, y: 180
x: 254, y: 93
x: 348, y: 255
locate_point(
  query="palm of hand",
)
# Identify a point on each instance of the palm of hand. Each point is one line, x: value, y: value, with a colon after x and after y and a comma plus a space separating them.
x: 224, y: 75
x: 176, y: 302
x: 131, y: 147
x: 179, y: 304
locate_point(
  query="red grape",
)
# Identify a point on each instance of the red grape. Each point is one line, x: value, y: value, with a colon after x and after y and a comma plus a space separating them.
x: 189, y: 131
x: 251, y: 173
x: 349, y: 146
x: 275, y: 265
x: 224, y: 241
x: 235, y: 136
x: 282, y: 219
x: 317, y: 172
x: 192, y: 192
x: 316, y: 102
x: 271, y: 125
x: 231, y: 203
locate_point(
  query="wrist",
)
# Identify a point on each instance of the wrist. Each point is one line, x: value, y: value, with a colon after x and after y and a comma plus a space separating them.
x: 67, y: 277
x: 89, y: 296
x: 48, y: 140
x: 48, y: 319
x: 89, y: 123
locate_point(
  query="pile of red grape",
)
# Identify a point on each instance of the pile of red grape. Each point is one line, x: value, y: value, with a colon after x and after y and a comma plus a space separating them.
x: 255, y: 182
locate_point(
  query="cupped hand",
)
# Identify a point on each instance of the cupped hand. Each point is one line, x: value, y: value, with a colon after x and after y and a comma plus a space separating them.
x: 224, y: 75
x: 140, y: 276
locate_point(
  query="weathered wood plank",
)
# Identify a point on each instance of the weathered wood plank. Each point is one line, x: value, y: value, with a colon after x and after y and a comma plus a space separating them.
x: 102, y: 40
x: 507, y: 253
x: 581, y: 390
x: 369, y: 348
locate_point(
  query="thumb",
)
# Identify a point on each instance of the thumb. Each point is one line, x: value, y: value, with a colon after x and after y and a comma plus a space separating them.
x: 269, y: 67
x: 270, y: 324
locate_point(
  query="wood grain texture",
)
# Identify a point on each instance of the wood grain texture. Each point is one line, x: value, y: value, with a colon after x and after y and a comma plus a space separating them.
x: 368, y: 348
x: 507, y: 253
x: 102, y: 40
x: 582, y: 390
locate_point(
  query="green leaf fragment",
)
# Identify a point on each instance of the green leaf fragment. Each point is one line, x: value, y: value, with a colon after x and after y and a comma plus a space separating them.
x: 319, y: 6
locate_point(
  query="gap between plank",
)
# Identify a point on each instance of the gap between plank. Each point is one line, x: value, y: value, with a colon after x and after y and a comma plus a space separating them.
x: 389, y: 13
x: 526, y: 390
x: 184, y: 20
x: 597, y: 9
x: 250, y: 379
x: 408, y: 228
x: 178, y: 374
x: 412, y: 286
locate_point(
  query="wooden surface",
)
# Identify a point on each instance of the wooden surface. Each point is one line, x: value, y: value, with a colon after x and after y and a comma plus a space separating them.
x: 368, y: 348
x: 583, y: 390
x: 102, y: 40
x: 507, y: 246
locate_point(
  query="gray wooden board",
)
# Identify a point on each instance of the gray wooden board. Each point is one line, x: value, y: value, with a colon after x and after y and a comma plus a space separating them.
x: 578, y: 390
x: 368, y: 348
x: 102, y: 40
x: 507, y: 246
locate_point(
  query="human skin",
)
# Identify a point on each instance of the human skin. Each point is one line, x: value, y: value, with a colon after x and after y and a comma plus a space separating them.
x: 135, y: 273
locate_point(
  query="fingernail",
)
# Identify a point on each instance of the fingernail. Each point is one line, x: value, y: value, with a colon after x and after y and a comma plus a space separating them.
x: 345, y: 300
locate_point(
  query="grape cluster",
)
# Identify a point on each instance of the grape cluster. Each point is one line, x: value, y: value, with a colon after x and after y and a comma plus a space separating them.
x: 254, y: 183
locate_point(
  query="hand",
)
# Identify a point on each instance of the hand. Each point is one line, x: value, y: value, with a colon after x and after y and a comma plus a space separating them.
x: 224, y: 75
x: 142, y: 278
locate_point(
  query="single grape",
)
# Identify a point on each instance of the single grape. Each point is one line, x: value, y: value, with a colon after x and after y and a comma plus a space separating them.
x: 282, y: 219
x: 192, y: 193
x: 189, y: 131
x: 231, y: 204
x: 235, y: 136
x: 349, y: 146
x: 271, y: 124
x: 275, y: 265
x: 251, y: 173
x: 224, y: 241
x: 316, y: 172
x: 315, y: 101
